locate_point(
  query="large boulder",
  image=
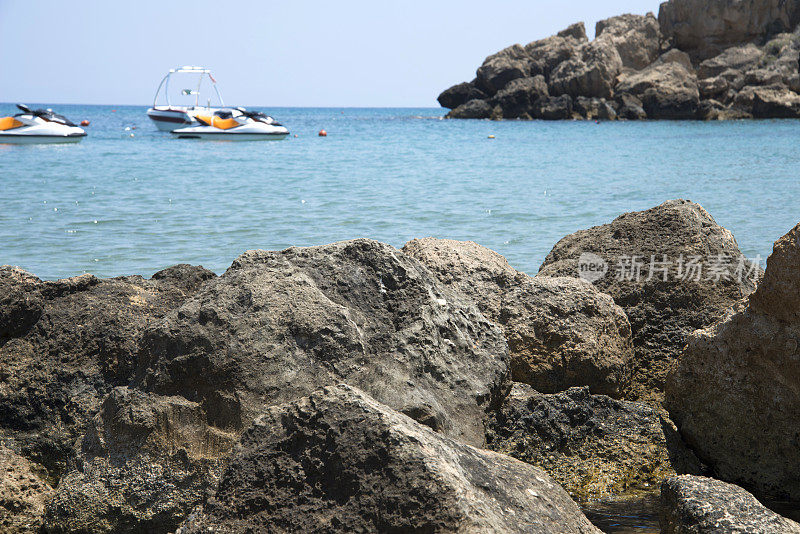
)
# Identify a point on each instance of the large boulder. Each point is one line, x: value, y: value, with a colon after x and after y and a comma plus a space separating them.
x: 23, y: 493
x: 704, y: 28
x: 746, y: 368
x: 561, y: 332
x: 594, y: 108
x: 743, y: 57
x: 460, y: 94
x: 637, y: 38
x: 592, y: 445
x: 340, y: 461
x: 667, y: 90
x: 547, y: 54
x: 517, y: 98
x: 680, y: 296
x: 474, y: 109
x: 278, y: 325
x: 700, y: 505
x: 592, y: 72
x: 552, y: 108
x: 143, y: 464
x: 771, y: 102
x: 65, y: 344
x: 500, y: 68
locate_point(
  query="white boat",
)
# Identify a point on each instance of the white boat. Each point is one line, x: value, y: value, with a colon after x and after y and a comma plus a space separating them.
x: 236, y: 124
x: 170, y: 116
x: 38, y: 126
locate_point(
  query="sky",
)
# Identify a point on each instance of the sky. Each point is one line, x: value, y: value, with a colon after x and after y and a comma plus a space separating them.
x: 269, y: 53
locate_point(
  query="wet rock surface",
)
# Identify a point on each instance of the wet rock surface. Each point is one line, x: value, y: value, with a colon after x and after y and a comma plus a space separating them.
x: 730, y: 49
x: 340, y: 461
x: 662, y: 313
x: 734, y: 393
x: 700, y: 505
x: 592, y: 445
x: 561, y: 332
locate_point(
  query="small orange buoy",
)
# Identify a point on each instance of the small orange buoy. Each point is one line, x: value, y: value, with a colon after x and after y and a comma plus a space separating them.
x: 295, y: 136
x: 323, y: 133
x: 491, y: 137
x: 84, y: 122
x: 113, y: 111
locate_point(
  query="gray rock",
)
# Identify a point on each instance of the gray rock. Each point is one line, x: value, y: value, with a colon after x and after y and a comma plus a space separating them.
x: 739, y: 58
x: 667, y: 90
x: 700, y: 505
x: 460, y: 94
x: 591, y: 73
x: 552, y: 108
x: 144, y: 463
x: 65, y: 344
x: 547, y: 54
x: 340, y: 461
x: 592, y: 445
x: 772, y: 102
x: 519, y: 95
x: 278, y: 325
x: 704, y: 28
x: 561, y: 332
x: 734, y: 392
x: 499, y: 69
x: 474, y: 109
x: 594, y: 108
x: 630, y: 107
x: 662, y: 313
x: 637, y: 38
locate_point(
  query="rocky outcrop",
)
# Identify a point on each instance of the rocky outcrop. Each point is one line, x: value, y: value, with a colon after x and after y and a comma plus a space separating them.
x: 705, y: 28
x: 143, y: 464
x: 278, y: 325
x: 672, y: 268
x: 666, y: 89
x: 340, y: 461
x: 592, y: 445
x: 746, y: 368
x: 726, y: 51
x: 561, y: 332
x: 65, y: 344
x: 637, y: 38
x: 517, y: 98
x: 700, y: 505
x: 23, y: 493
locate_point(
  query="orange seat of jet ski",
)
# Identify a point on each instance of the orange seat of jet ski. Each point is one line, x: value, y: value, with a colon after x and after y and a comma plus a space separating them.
x: 8, y: 123
x: 216, y: 122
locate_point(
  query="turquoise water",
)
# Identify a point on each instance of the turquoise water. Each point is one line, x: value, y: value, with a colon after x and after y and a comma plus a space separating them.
x: 116, y: 204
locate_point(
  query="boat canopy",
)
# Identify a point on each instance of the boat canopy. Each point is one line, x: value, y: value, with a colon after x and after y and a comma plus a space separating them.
x: 201, y: 72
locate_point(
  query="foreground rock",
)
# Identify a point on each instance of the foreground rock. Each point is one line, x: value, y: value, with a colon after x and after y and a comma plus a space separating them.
x: 561, y: 332
x: 734, y: 394
x: 278, y: 325
x: 144, y: 463
x: 65, y: 344
x: 340, y: 461
x: 592, y: 445
x: 23, y: 493
x: 662, y: 313
x: 741, y: 62
x: 700, y: 505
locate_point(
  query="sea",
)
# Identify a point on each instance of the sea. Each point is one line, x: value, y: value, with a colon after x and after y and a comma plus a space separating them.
x: 129, y: 199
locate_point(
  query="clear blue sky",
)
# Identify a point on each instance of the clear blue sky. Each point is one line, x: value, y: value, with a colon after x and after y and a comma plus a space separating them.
x: 269, y: 53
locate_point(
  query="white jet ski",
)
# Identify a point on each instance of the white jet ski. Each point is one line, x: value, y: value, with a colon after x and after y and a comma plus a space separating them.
x: 234, y: 125
x: 38, y: 126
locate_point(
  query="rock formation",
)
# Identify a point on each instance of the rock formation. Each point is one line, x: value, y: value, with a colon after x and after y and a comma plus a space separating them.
x: 700, y: 505
x: 278, y: 325
x: 592, y: 445
x: 338, y: 461
x: 734, y: 393
x: 664, y: 306
x: 23, y: 493
x: 561, y: 332
x: 741, y: 62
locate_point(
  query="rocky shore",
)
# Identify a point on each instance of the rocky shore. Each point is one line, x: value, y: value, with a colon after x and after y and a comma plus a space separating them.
x: 357, y: 387
x: 699, y: 59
